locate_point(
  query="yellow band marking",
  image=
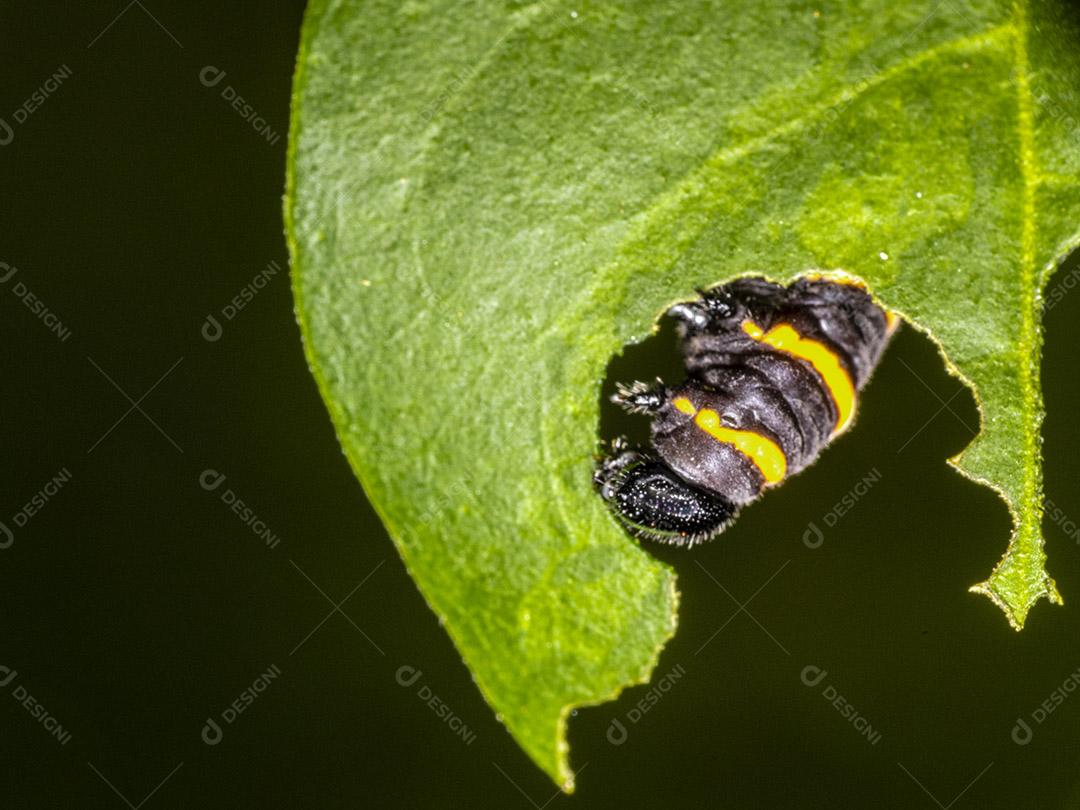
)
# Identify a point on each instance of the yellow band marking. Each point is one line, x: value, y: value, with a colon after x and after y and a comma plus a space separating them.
x: 684, y: 405
x: 825, y: 362
x: 764, y: 453
x: 835, y: 278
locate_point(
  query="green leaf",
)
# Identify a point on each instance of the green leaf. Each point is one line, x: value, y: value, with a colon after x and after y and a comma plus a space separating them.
x: 488, y: 201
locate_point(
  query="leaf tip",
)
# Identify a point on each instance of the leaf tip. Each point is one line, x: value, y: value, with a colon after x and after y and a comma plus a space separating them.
x: 561, y: 772
x: 564, y: 774
x: 1016, y: 610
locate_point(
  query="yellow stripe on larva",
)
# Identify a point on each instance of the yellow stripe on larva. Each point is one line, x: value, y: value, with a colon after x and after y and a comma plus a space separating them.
x: 836, y: 278
x: 684, y: 405
x: 765, y: 454
x: 783, y: 337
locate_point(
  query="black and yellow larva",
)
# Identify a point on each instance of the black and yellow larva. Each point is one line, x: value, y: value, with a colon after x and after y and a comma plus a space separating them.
x: 773, y: 375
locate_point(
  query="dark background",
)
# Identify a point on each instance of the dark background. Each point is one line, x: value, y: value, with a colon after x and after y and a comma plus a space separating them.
x: 136, y: 202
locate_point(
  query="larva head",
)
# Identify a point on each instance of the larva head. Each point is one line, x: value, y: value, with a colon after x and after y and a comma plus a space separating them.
x: 655, y: 504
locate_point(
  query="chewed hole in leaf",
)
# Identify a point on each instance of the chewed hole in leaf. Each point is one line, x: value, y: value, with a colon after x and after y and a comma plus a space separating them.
x: 912, y: 417
x: 902, y: 535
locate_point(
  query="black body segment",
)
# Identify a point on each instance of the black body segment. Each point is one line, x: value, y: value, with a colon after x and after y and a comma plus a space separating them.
x: 773, y: 374
x: 716, y: 466
x: 840, y: 316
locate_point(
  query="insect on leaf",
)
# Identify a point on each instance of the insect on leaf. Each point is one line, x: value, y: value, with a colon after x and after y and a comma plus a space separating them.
x: 486, y: 201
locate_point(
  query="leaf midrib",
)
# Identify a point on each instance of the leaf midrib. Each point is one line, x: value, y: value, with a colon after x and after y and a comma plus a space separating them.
x: 1027, y: 515
x: 1031, y: 289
